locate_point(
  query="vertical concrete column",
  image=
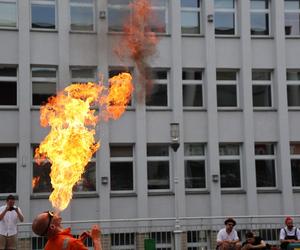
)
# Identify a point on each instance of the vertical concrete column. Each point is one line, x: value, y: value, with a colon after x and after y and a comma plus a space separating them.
x: 106, y: 242
x: 24, y: 90
x: 63, y: 22
x: 140, y: 237
x: 283, y: 146
x: 103, y: 154
x: 212, y: 112
x: 248, y: 163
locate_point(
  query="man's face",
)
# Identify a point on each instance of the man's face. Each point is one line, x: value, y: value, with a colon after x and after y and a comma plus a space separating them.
x: 229, y: 226
x: 10, y: 202
x: 250, y: 240
x: 289, y: 224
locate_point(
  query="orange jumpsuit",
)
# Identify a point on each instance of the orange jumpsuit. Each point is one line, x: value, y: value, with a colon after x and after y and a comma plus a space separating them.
x: 64, y: 241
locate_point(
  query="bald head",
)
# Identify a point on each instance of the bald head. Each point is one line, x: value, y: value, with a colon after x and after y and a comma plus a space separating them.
x: 40, y: 224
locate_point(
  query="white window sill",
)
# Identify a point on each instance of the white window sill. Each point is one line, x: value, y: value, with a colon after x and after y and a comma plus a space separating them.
x: 44, y: 30
x: 269, y: 191
x: 123, y: 194
x: 159, y: 193
x: 8, y: 107
x: 261, y: 37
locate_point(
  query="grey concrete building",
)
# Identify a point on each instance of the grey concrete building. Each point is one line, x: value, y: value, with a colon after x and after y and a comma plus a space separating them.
x: 226, y: 73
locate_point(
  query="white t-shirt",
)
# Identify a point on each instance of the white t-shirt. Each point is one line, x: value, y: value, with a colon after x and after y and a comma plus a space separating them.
x: 223, y: 235
x: 289, y: 233
x: 8, y: 225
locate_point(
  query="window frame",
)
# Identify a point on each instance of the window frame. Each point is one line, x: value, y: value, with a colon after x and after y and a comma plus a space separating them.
x: 192, y: 83
x: 293, y: 83
x: 118, y: 244
x: 11, y: 160
x: 160, y: 159
x: 260, y: 11
x: 193, y: 10
x: 197, y: 158
x: 231, y: 157
x: 126, y: 7
x: 83, y: 79
x: 227, y: 10
x: 16, y: 17
x: 93, y: 160
x: 160, y: 82
x: 264, y: 83
x: 43, y: 80
x: 11, y: 79
x: 124, y: 159
x: 82, y: 4
x: 120, y: 69
x: 289, y: 11
x: 294, y: 157
x: 267, y: 157
x: 229, y: 83
x: 45, y: 2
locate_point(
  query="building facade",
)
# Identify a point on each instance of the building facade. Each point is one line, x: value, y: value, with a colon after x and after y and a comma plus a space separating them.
x: 226, y: 73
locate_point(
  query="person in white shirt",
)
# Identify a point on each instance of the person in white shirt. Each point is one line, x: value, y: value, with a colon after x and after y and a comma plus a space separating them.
x: 9, y: 216
x: 227, y: 238
x: 288, y: 234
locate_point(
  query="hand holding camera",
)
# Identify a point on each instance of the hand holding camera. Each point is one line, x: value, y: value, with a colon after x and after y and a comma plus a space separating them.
x: 11, y: 208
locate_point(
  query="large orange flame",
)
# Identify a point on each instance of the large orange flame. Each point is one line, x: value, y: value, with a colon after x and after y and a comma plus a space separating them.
x: 140, y: 41
x: 71, y: 143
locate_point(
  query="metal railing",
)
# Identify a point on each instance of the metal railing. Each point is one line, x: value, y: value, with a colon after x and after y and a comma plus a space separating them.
x: 193, y: 232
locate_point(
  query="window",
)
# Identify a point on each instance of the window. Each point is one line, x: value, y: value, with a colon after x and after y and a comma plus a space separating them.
x: 159, y: 91
x: 8, y: 169
x: 292, y: 17
x: 197, y: 240
x: 295, y: 163
x: 122, y: 241
x: 192, y: 90
x: 230, y: 171
x: 113, y: 71
x: 163, y: 240
x: 41, y: 182
x: 43, y: 84
x: 265, y: 165
x: 82, y: 15
x: 190, y: 17
x: 225, y: 17
x: 261, y: 89
x: 83, y: 74
x: 227, y: 89
x: 8, y: 14
x: 121, y: 168
x: 43, y: 14
x: 260, y: 16
x: 119, y: 11
x: 194, y: 165
x: 8, y: 85
x: 293, y: 88
x: 158, y: 169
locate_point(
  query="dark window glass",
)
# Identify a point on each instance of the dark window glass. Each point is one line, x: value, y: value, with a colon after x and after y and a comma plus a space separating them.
x: 159, y: 96
x: 41, y: 178
x: 192, y: 95
x: 264, y: 149
x: 230, y: 173
x: 190, y: 22
x: 226, y: 96
x: 8, y: 93
x: 43, y: 16
x: 226, y: 76
x: 195, y: 174
x: 7, y: 71
x: 191, y: 74
x: 121, y: 151
x: 224, y: 23
x: 41, y: 91
x: 8, y: 152
x: 8, y: 177
x: 121, y: 176
x: 157, y: 150
x: 88, y: 179
x: 293, y: 95
x: 261, y: 96
x: 158, y: 175
x: 259, y: 24
x: 295, y: 163
x: 258, y: 75
x: 265, y: 173
x: 82, y: 18
x: 292, y: 26
x: 190, y: 3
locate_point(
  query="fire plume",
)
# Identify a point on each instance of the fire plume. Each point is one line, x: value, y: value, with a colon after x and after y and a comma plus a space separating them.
x: 71, y: 143
x: 140, y: 42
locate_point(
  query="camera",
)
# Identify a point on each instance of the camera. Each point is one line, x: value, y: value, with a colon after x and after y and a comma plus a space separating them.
x: 11, y: 209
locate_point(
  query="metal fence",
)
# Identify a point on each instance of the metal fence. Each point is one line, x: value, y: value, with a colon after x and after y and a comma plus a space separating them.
x: 191, y: 233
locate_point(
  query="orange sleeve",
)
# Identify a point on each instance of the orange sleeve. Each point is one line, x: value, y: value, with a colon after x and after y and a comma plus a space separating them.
x: 77, y: 245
